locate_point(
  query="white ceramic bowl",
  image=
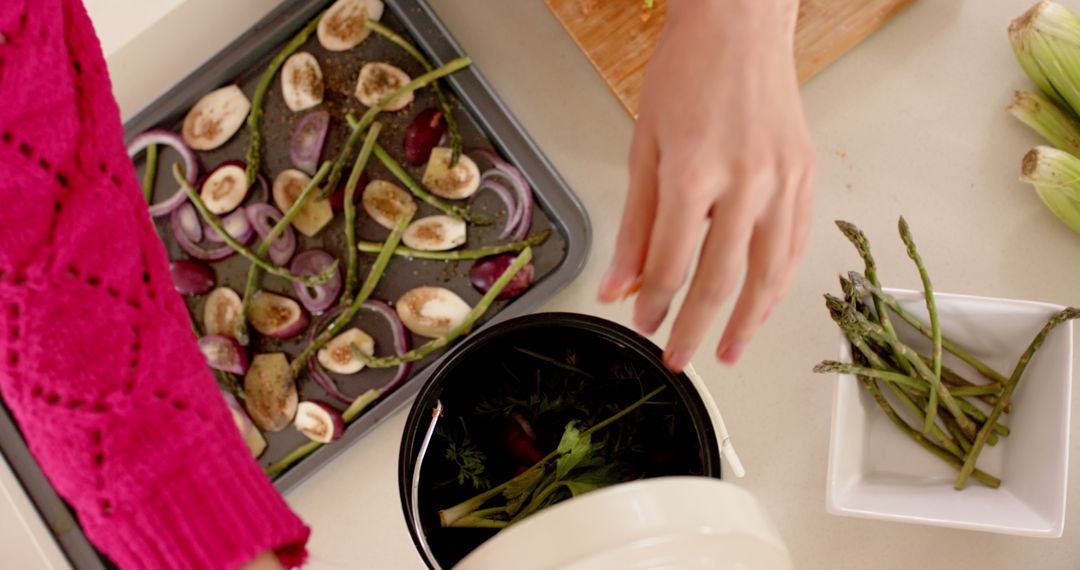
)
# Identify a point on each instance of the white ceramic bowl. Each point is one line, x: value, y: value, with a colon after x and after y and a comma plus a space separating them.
x: 876, y: 471
x: 684, y: 523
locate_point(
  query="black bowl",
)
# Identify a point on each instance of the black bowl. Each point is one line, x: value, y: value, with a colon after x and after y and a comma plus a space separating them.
x: 546, y: 333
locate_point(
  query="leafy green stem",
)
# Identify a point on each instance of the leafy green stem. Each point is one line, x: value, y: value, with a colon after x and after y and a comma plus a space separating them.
x: 457, y: 516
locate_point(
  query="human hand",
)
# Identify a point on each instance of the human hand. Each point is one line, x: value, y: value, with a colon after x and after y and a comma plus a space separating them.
x: 720, y: 138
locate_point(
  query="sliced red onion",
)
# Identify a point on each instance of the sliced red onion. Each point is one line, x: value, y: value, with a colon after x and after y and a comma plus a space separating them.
x: 520, y: 185
x: 308, y: 139
x: 423, y: 134
x: 190, y: 247
x: 486, y: 271
x: 402, y: 340
x: 313, y: 262
x: 264, y: 183
x: 262, y: 218
x: 238, y: 226
x: 190, y: 223
x: 324, y: 381
x: 513, y: 213
x: 337, y: 199
x: 191, y: 164
x: 224, y: 353
x: 191, y: 277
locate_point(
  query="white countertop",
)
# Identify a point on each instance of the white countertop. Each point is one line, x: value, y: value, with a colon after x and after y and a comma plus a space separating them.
x: 912, y: 122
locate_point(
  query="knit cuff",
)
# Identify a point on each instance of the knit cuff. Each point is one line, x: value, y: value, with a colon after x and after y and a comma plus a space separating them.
x: 221, y: 513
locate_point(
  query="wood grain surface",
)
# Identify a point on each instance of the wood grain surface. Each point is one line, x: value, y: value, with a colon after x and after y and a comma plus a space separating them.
x: 619, y: 41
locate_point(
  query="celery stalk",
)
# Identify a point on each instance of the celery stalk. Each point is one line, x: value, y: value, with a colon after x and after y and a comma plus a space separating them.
x: 1046, y: 118
x: 1055, y: 174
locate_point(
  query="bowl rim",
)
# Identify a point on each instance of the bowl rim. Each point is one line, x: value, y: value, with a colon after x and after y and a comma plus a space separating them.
x: 421, y: 407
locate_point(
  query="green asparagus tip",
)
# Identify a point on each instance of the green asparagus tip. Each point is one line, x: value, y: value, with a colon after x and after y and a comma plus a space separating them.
x: 828, y: 367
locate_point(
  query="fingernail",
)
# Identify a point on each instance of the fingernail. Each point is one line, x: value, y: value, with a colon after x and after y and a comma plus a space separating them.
x: 676, y: 360
x: 731, y: 353
x: 648, y: 327
x: 634, y: 287
x: 611, y: 285
x: 768, y: 313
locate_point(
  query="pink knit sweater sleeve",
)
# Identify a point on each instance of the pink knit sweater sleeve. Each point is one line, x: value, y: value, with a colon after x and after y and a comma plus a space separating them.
x: 97, y: 360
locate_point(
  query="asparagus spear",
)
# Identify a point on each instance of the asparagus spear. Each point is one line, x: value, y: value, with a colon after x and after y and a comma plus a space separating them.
x: 457, y: 255
x: 417, y: 190
x: 444, y: 101
x: 839, y: 309
x: 834, y: 367
x: 984, y: 390
x: 981, y: 476
x: 474, y: 315
x: 374, y: 274
x: 874, y: 360
x: 878, y: 333
x: 254, y: 120
x: 894, y: 305
x: 252, y: 281
x: 369, y: 116
x: 958, y: 436
x: 969, y: 465
x: 953, y: 378
x: 151, y: 173
x: 862, y: 245
x: 214, y: 222
x: 931, y: 308
x: 350, y: 212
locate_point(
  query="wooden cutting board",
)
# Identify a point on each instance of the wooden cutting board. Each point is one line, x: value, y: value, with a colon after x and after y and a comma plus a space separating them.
x: 619, y: 42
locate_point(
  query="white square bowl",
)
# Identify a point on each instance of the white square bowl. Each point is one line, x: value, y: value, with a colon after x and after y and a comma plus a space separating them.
x: 876, y: 471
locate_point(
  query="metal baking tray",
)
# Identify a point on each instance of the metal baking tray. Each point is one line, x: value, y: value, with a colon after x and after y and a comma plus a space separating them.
x: 484, y: 121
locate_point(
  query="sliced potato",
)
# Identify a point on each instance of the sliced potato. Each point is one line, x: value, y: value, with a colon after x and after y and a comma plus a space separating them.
x: 342, y: 27
x: 337, y: 356
x: 276, y: 315
x: 455, y: 183
x: 315, y: 214
x: 222, y: 312
x: 270, y: 393
x: 215, y: 118
x: 377, y: 80
x: 302, y: 82
x: 431, y: 311
x: 435, y: 233
x: 386, y: 203
x: 224, y: 189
